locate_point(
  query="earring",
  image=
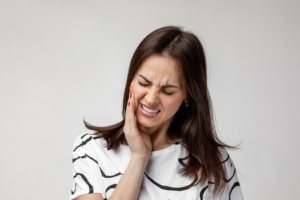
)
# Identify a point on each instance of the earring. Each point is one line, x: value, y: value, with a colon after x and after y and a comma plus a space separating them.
x: 186, y: 104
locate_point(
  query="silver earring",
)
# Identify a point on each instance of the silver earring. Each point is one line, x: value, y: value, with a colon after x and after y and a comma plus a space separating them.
x: 187, y: 105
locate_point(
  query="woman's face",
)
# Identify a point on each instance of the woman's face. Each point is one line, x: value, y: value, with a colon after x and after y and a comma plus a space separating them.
x: 159, y: 86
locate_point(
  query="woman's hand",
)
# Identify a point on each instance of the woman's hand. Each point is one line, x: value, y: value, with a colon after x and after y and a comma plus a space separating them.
x: 139, y: 142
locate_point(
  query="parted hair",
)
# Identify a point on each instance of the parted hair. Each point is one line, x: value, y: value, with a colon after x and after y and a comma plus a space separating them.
x: 195, y: 124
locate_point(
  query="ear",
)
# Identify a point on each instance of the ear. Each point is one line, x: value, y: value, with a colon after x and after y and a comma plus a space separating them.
x: 187, y: 99
x: 188, y: 96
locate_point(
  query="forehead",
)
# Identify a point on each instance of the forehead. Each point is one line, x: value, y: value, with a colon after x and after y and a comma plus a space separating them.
x: 161, y: 70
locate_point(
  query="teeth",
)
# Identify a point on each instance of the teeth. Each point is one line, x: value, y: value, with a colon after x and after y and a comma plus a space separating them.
x: 149, y: 110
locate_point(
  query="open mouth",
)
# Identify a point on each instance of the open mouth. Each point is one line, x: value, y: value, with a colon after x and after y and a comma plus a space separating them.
x: 148, y: 112
x: 152, y: 111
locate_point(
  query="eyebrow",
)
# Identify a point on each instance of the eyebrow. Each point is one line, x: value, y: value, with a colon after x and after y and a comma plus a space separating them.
x: 164, y: 86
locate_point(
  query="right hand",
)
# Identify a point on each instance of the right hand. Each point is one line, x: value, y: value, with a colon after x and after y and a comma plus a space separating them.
x: 139, y: 142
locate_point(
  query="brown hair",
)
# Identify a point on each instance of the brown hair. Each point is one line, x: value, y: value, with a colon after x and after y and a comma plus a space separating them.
x: 194, y: 125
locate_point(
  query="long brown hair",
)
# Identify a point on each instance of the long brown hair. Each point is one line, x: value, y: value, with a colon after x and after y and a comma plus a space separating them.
x: 195, y: 124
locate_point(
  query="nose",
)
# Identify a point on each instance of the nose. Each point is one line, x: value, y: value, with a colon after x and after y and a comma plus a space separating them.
x: 152, y: 96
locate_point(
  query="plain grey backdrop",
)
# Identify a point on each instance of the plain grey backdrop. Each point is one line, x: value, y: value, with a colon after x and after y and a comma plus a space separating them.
x: 63, y: 60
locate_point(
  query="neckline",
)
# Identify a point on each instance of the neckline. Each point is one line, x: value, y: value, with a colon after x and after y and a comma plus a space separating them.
x: 165, y: 150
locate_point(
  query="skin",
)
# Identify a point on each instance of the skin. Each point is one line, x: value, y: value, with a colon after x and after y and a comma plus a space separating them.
x: 160, y: 70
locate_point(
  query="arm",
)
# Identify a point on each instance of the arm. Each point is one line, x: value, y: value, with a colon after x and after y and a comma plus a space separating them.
x: 140, y: 146
x: 95, y: 196
x: 129, y: 185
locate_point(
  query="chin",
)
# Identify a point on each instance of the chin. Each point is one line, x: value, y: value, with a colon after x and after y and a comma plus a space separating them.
x: 146, y: 123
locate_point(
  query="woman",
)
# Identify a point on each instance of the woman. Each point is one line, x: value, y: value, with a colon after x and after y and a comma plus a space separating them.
x: 166, y: 146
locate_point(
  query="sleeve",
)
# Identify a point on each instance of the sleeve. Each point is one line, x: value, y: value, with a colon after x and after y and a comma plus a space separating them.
x: 232, y: 188
x: 84, y: 179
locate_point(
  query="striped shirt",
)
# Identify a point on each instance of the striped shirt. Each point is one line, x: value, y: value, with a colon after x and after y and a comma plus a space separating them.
x: 97, y: 169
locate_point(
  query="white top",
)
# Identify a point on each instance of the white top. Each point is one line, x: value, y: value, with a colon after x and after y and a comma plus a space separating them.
x: 98, y: 170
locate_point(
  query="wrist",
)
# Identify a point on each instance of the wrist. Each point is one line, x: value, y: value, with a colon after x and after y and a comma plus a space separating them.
x: 137, y: 157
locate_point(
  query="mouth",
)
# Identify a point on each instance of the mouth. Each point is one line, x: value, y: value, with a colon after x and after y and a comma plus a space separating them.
x: 148, y: 112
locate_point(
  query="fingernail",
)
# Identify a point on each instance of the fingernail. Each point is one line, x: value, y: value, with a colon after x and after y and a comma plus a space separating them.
x: 129, y: 90
x: 130, y: 95
x: 128, y: 103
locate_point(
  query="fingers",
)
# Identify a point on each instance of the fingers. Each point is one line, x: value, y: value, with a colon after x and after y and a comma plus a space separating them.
x: 134, y: 107
x: 126, y: 127
x: 130, y: 118
x: 132, y: 102
x: 132, y: 110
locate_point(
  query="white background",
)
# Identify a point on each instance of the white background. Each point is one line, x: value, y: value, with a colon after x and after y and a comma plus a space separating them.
x: 61, y: 61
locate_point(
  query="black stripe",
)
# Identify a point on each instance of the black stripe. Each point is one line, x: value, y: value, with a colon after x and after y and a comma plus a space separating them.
x: 233, y: 186
x: 204, y: 189
x: 202, y: 192
x: 78, y: 158
x: 97, y: 137
x: 86, y: 181
x: 74, y: 190
x: 103, y: 174
x: 111, y: 176
x: 86, y: 141
x: 231, y: 177
x: 180, y: 160
x: 84, y: 135
x: 85, y: 157
x: 83, y: 143
x: 93, y: 159
x: 88, y: 134
x: 173, y: 188
x: 111, y: 187
x: 226, y: 159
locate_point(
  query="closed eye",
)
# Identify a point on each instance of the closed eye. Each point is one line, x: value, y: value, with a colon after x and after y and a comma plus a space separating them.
x: 145, y: 85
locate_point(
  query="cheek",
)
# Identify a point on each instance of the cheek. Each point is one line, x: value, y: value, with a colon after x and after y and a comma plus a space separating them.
x: 172, y: 104
x: 137, y: 90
